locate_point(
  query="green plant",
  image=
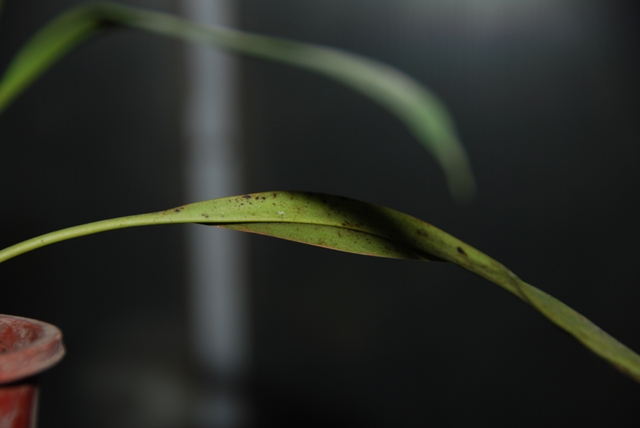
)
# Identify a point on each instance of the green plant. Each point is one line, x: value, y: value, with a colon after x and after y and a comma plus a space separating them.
x: 322, y: 220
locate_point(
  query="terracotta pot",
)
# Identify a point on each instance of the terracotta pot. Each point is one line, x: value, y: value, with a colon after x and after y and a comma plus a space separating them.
x: 27, y: 347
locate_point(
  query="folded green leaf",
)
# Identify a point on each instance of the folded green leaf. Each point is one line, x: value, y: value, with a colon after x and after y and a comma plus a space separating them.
x: 420, y: 110
x: 348, y: 225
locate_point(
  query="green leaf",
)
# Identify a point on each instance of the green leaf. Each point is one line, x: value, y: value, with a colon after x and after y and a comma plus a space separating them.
x: 420, y: 110
x: 357, y: 227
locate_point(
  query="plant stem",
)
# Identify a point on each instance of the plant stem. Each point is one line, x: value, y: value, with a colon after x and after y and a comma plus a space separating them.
x: 79, y: 231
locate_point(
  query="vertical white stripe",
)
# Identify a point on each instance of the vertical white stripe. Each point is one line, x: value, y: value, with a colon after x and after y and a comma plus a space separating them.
x: 217, y: 285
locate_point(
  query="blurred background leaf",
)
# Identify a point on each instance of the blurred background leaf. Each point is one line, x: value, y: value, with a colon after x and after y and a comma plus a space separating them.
x: 421, y: 111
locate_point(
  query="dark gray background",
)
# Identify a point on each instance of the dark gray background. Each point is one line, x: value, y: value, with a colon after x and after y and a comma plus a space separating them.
x: 546, y: 103
x: 545, y: 95
x: 98, y: 136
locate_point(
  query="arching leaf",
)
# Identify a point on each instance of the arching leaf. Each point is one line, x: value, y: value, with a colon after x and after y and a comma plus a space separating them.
x: 358, y: 227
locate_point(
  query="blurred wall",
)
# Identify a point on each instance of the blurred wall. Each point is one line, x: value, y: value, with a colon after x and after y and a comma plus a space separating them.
x: 545, y: 95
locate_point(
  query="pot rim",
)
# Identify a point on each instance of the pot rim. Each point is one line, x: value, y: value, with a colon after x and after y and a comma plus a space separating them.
x: 41, y: 352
